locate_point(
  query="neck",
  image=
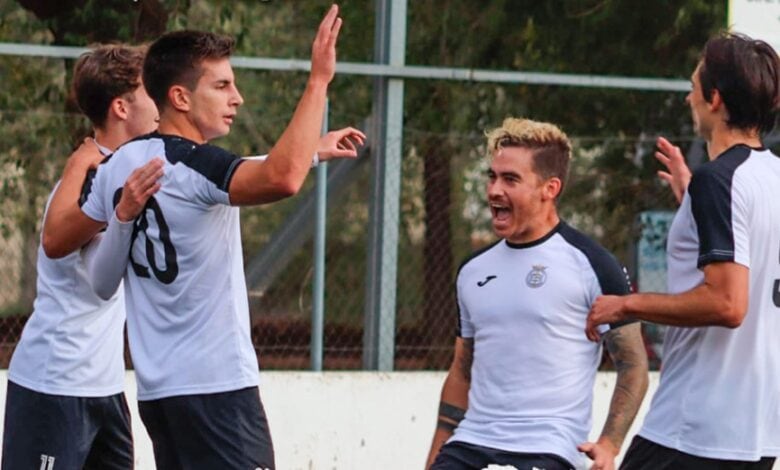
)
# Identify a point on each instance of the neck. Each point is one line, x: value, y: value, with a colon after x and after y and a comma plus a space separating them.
x: 111, y: 137
x: 176, y: 123
x: 541, y: 227
x: 725, y: 138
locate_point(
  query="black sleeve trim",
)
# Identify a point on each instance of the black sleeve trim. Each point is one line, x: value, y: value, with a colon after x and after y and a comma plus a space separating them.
x: 86, y: 186
x: 710, y: 193
x: 612, y: 276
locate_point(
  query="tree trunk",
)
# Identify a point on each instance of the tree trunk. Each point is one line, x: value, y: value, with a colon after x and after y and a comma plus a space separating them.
x: 440, y: 312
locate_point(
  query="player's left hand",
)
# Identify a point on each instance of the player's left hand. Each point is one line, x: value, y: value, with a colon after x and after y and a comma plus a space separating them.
x: 601, y: 452
x: 606, y: 309
x: 341, y: 143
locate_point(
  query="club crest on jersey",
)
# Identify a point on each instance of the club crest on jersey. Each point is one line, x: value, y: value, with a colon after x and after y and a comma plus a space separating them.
x: 536, y: 277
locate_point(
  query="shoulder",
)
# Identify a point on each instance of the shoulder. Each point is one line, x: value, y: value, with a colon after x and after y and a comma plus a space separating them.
x: 718, y: 173
x: 611, y: 275
x: 209, y: 161
x: 475, y: 255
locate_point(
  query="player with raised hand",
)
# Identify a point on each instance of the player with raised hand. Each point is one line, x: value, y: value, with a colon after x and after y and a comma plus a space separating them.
x: 188, y: 317
x: 716, y: 406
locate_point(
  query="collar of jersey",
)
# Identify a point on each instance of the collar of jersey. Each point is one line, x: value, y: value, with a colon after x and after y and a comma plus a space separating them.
x: 538, y: 241
x: 757, y: 149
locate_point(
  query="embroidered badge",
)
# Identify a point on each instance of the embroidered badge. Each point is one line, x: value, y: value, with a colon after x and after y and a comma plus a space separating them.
x: 536, y: 277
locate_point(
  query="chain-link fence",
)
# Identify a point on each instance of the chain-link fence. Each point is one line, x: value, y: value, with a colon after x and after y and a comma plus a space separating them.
x: 444, y: 217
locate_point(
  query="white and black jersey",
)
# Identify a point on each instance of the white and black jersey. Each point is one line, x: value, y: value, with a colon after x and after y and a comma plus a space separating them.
x: 188, y: 316
x: 719, y: 395
x: 73, y: 343
x: 525, y: 306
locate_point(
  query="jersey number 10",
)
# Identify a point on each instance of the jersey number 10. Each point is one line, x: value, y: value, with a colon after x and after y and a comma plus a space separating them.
x: 170, y: 270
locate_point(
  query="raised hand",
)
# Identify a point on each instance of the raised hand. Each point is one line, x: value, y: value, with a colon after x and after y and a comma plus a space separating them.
x: 142, y: 183
x: 341, y: 143
x: 672, y: 158
x: 323, y: 50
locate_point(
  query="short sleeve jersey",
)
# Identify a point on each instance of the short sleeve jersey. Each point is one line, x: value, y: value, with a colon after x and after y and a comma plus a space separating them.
x: 73, y: 343
x: 525, y: 306
x: 188, y: 316
x: 719, y: 388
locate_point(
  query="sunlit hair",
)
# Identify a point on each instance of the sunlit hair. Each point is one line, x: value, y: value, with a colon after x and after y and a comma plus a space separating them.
x: 104, y: 74
x: 176, y: 58
x: 746, y: 73
x: 550, y: 146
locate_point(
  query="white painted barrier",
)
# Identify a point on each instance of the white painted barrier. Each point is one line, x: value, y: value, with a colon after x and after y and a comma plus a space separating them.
x: 353, y: 420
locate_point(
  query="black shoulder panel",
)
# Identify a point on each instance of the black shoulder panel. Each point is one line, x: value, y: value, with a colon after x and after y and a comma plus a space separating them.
x: 710, y: 193
x: 215, y: 164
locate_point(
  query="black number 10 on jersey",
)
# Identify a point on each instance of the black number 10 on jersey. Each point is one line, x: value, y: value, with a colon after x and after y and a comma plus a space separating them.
x: 167, y: 274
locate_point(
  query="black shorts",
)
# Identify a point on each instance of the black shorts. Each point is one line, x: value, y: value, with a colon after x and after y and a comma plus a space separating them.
x: 463, y: 456
x: 225, y: 430
x: 647, y: 455
x: 52, y: 432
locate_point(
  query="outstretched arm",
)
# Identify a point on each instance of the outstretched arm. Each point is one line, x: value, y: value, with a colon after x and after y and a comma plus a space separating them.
x: 283, y: 173
x: 454, y: 396
x: 721, y: 300
x: 628, y: 354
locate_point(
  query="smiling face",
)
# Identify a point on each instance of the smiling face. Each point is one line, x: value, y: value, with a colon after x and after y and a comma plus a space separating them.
x: 521, y: 202
x: 215, y: 100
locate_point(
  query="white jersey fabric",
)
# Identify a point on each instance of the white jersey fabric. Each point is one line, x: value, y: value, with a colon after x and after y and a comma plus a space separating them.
x: 188, y: 315
x: 719, y: 394
x: 73, y: 343
x: 525, y: 306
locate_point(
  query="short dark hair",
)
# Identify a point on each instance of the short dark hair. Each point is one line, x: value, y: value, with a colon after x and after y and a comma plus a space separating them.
x: 104, y: 74
x: 175, y: 59
x: 746, y: 73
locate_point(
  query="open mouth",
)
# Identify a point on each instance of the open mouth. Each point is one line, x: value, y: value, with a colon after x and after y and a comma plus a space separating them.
x: 500, y: 212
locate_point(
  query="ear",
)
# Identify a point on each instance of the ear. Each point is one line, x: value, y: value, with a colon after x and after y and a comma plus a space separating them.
x: 118, y: 107
x: 179, y: 98
x: 552, y: 188
x: 716, y: 101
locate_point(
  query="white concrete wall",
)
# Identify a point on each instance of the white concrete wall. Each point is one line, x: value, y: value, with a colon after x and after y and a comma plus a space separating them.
x: 352, y: 420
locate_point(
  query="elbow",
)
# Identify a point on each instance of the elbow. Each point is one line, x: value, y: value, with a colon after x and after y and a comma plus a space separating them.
x: 51, y: 248
x: 732, y: 314
x: 286, y: 186
x: 289, y: 188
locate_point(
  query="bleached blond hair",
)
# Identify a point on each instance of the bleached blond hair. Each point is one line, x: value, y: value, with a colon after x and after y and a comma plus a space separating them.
x: 550, y: 145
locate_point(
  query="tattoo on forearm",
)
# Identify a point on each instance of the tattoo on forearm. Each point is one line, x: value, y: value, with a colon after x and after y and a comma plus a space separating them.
x: 468, y: 358
x: 449, y: 416
x: 451, y: 412
x: 446, y: 425
x: 627, y: 350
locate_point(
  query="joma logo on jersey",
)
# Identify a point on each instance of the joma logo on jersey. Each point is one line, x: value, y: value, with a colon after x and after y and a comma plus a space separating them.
x: 536, y: 277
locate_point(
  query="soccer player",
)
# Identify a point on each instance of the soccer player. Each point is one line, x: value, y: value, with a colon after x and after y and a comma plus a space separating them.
x: 188, y: 318
x: 520, y: 386
x: 717, y: 405
x: 65, y: 406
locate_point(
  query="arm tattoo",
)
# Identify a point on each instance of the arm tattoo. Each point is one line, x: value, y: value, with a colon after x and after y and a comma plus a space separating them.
x: 449, y: 416
x: 468, y: 358
x: 627, y: 350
